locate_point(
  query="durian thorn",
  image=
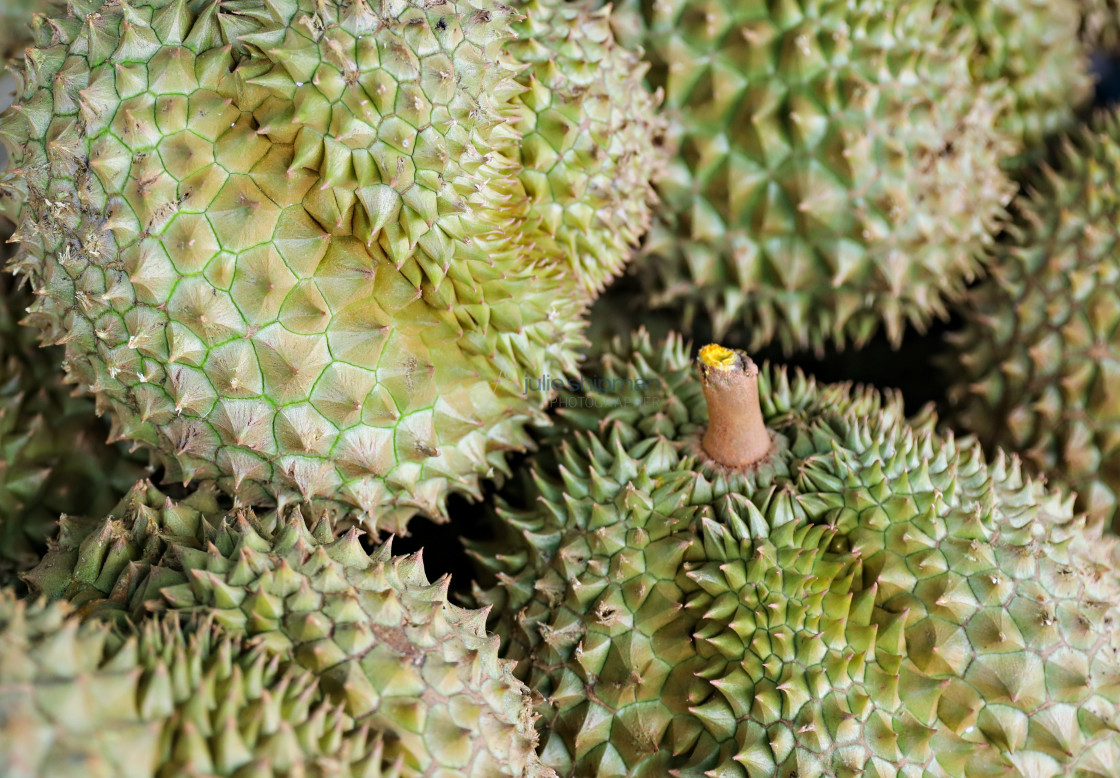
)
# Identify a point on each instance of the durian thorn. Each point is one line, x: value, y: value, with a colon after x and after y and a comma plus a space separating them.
x: 736, y: 434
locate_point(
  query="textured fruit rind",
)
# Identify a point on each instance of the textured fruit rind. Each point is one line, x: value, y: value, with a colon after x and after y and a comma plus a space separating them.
x: 837, y: 168
x: 297, y: 249
x: 53, y: 455
x: 17, y: 19
x: 1032, y: 48
x: 173, y: 698
x: 384, y: 644
x: 590, y: 137
x: 873, y: 599
x: 1037, y: 363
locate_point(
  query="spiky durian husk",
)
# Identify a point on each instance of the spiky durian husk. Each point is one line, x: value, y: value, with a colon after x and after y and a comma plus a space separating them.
x: 53, y: 455
x: 384, y: 643
x: 838, y: 167
x: 590, y: 140
x: 1037, y: 364
x: 1033, y: 47
x: 298, y: 248
x: 170, y: 699
x: 627, y: 22
x: 16, y: 20
x: 871, y: 599
x: 1029, y: 46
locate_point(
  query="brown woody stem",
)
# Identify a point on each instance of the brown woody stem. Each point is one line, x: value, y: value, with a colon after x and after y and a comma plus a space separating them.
x: 736, y: 434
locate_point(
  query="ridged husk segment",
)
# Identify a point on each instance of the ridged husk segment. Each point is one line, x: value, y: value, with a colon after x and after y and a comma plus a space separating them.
x: 300, y: 250
x: 1037, y: 363
x: 591, y: 138
x: 383, y: 642
x: 837, y: 166
x: 172, y: 698
x: 871, y: 599
x: 17, y: 19
x: 1033, y: 47
x: 53, y: 454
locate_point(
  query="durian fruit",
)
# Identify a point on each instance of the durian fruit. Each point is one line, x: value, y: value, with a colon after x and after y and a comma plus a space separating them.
x: 17, y: 18
x: 53, y: 455
x: 384, y: 643
x: 790, y: 579
x: 628, y: 23
x: 837, y: 166
x: 591, y: 139
x: 1034, y: 47
x: 174, y: 699
x: 308, y: 250
x: 1037, y: 362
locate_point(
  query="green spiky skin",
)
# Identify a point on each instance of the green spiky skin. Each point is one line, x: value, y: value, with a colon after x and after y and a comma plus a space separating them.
x: 309, y: 251
x: 78, y: 700
x: 591, y: 140
x: 1037, y: 364
x: 53, y: 455
x: 384, y: 643
x: 1033, y: 46
x: 871, y: 599
x: 16, y: 20
x: 628, y: 23
x: 837, y: 167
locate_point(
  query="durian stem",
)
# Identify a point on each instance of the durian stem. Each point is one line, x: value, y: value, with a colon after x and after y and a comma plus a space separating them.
x: 736, y: 434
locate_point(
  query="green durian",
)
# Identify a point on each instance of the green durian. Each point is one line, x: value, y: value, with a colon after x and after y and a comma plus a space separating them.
x: 1033, y: 47
x: 17, y: 18
x: 867, y: 598
x: 53, y: 455
x: 1036, y: 364
x: 78, y: 700
x: 590, y: 138
x: 308, y: 249
x: 837, y: 167
x: 1028, y: 47
x: 383, y: 642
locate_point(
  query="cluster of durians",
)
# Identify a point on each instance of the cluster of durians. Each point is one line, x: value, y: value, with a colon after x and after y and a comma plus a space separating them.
x: 319, y: 266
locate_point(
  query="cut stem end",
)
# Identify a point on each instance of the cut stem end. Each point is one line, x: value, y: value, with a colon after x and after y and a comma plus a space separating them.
x: 736, y: 434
